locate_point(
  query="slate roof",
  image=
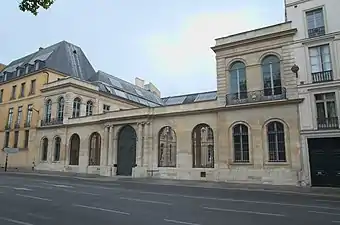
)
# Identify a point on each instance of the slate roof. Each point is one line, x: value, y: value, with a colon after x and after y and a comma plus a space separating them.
x: 121, y: 88
x: 190, y: 98
x: 63, y: 57
x: 70, y: 60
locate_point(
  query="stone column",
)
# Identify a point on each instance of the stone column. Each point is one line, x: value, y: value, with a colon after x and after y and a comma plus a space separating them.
x: 105, y: 146
x: 114, y: 147
x: 109, y: 157
x: 146, y: 146
x: 139, y: 144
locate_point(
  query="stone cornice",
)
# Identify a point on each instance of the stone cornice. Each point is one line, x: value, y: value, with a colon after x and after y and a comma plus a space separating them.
x: 270, y: 36
x: 152, y: 114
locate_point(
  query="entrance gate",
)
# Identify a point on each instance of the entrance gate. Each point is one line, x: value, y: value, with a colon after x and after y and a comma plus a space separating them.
x: 126, y: 155
x: 324, y: 157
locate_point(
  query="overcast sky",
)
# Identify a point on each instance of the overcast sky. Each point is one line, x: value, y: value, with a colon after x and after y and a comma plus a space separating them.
x: 165, y: 42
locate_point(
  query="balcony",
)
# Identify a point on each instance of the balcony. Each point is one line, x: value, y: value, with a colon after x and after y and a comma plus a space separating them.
x: 51, y: 122
x: 315, y: 32
x: 17, y: 125
x: 263, y: 95
x: 27, y: 124
x: 323, y: 76
x: 328, y: 123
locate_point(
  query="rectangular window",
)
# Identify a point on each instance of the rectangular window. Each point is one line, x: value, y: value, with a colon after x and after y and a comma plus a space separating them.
x: 6, y: 141
x: 321, y: 63
x: 326, y: 111
x: 17, y: 123
x: 106, y: 108
x: 16, y: 139
x: 1, y: 95
x: 22, y: 91
x: 315, y: 23
x: 32, y: 90
x: 29, y: 115
x: 14, y: 91
x: 10, y: 118
x: 27, y: 135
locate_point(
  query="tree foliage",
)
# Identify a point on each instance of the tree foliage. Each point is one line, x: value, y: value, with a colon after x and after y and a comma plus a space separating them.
x: 33, y: 5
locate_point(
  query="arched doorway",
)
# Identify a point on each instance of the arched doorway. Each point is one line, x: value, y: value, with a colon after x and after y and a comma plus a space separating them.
x: 74, y: 149
x: 126, y: 155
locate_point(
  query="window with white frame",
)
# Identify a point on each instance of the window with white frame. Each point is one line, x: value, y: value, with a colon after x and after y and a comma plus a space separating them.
x: 326, y: 111
x: 60, y: 111
x: 315, y: 23
x: 48, y: 111
x: 89, y: 108
x: 76, y: 107
x: 320, y: 58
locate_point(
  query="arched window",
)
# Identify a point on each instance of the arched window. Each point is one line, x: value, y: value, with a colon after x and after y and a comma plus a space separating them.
x: 48, y: 110
x: 89, y: 108
x: 238, y: 80
x: 203, y: 146
x: 60, y: 111
x: 167, y: 142
x: 276, y: 142
x: 44, y: 151
x: 57, y: 144
x: 76, y: 107
x: 271, y: 71
x: 94, y: 153
x: 241, y: 143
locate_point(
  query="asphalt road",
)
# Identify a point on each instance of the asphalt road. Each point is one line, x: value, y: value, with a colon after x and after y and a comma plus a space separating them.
x: 34, y: 200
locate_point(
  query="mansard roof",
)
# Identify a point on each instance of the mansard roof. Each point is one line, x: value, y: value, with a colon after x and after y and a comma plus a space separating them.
x: 62, y: 57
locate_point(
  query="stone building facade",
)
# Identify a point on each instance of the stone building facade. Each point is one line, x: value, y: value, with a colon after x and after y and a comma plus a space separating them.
x: 316, y: 46
x: 246, y: 131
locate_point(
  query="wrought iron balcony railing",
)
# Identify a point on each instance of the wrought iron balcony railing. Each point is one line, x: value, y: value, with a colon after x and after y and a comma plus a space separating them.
x: 270, y: 94
x: 53, y: 121
x: 315, y: 32
x: 323, y: 76
x: 328, y: 123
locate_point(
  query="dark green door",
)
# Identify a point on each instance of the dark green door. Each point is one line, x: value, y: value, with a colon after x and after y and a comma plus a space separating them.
x: 324, y: 158
x: 126, y: 155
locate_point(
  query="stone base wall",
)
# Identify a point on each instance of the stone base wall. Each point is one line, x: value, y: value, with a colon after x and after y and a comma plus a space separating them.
x: 275, y: 176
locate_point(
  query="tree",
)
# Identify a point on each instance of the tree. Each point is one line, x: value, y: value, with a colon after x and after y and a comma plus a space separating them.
x: 33, y: 5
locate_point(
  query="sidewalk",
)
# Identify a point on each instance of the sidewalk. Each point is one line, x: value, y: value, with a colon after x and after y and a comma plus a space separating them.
x: 312, y: 191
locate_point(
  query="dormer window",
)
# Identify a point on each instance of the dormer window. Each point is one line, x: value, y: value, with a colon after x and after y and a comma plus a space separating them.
x: 20, y: 71
x: 27, y: 68
x: 39, y: 64
x: 36, y: 65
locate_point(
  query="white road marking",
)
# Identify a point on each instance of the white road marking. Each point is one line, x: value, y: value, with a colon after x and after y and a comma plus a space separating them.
x: 147, y: 201
x: 335, y: 221
x: 5, y: 186
x: 180, y: 222
x: 81, y: 192
x: 321, y: 200
x: 62, y: 186
x: 83, y: 185
x: 37, y: 186
x: 39, y: 216
x: 14, y: 221
x: 239, y: 200
x: 326, y: 213
x: 22, y: 189
x: 243, y: 211
x: 34, y: 197
x: 101, y: 209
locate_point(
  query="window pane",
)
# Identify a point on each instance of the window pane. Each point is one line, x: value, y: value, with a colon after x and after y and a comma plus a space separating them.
x: 320, y: 109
